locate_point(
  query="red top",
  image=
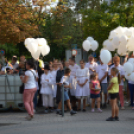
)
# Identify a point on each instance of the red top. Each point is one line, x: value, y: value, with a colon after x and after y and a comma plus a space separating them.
x: 94, y: 84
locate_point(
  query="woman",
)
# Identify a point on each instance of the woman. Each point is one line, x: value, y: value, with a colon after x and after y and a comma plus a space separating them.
x: 30, y: 88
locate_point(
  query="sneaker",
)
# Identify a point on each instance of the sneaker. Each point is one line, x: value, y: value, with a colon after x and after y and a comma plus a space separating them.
x: 116, y: 118
x: 99, y: 110
x: 122, y: 108
x: 92, y: 110
x: 46, y: 111
x: 28, y: 118
x: 110, y: 119
x: 72, y: 112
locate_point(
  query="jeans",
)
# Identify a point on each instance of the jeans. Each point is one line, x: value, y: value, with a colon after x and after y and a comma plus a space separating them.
x: 35, y: 100
x: 131, y: 88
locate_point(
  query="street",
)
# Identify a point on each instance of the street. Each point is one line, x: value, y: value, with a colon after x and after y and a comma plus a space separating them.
x: 82, y: 123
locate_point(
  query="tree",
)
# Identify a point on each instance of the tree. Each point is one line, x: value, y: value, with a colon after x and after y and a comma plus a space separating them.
x: 15, y: 23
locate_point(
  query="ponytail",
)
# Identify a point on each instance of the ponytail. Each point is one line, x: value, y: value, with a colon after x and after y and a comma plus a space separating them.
x: 119, y: 78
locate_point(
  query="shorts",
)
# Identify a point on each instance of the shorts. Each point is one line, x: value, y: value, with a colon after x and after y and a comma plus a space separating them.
x: 81, y: 97
x: 114, y: 96
x: 104, y: 88
x: 66, y: 96
x: 94, y: 96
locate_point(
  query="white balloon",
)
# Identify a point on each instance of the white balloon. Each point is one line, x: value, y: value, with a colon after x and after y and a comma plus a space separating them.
x: 132, y: 77
x: 94, y: 45
x: 128, y: 33
x: 105, y: 56
x: 130, y: 44
x: 119, y: 31
x: 122, y: 50
x: 45, y: 50
x: 86, y: 45
x: 128, y: 67
x: 116, y: 41
x: 31, y: 45
x: 90, y: 39
x: 123, y: 40
x: 112, y: 34
x: 131, y: 60
x: 41, y: 43
x: 36, y: 55
x: 107, y: 44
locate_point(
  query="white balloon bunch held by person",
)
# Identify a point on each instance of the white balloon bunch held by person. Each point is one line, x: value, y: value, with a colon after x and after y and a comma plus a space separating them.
x: 92, y: 66
x: 117, y: 65
x: 82, y: 88
x: 102, y: 71
x: 73, y: 67
x: 46, y: 89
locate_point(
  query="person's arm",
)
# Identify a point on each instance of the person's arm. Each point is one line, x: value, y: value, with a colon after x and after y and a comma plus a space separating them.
x: 105, y: 75
x: 91, y: 87
x: 110, y: 86
x: 24, y: 79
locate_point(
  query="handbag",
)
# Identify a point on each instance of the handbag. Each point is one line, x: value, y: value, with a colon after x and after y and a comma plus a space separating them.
x: 21, y: 91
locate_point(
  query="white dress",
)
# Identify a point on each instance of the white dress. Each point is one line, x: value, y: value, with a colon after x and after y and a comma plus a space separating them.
x: 73, y: 80
x: 54, y: 86
x: 46, y: 86
x: 82, y: 75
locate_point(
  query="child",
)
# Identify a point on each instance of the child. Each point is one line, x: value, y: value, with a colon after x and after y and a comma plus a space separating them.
x: 46, y: 89
x: 113, y: 91
x: 95, y: 91
x: 82, y: 88
x: 66, y: 82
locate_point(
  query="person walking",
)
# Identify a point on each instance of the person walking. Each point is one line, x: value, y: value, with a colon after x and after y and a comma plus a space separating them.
x: 30, y: 88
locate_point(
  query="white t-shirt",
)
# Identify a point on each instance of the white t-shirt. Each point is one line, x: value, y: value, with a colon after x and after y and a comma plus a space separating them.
x: 65, y: 80
x: 121, y: 71
x: 93, y: 66
x: 101, y: 70
x: 31, y: 83
x: 15, y: 66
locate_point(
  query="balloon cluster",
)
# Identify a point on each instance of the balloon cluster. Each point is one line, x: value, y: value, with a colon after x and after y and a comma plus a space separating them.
x: 37, y: 47
x: 90, y: 43
x: 122, y: 39
x: 129, y: 69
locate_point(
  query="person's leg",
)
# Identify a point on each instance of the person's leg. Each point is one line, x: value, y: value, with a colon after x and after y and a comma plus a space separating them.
x: 26, y: 99
x: 50, y: 101
x: 131, y: 93
x: 59, y: 105
x: 116, y: 108
x: 113, y: 105
x: 84, y: 103
x: 79, y: 104
x: 69, y: 105
x: 98, y: 102
x: 93, y: 103
x: 46, y: 103
x: 121, y: 95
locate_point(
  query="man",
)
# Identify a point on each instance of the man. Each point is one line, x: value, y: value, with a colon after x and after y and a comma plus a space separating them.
x: 14, y: 62
x: 73, y: 67
x: 22, y: 58
x: 66, y: 65
x: 102, y: 71
x: 92, y: 66
x: 116, y: 61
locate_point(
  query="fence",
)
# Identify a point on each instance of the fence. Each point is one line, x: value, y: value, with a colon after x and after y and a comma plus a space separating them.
x: 9, y: 92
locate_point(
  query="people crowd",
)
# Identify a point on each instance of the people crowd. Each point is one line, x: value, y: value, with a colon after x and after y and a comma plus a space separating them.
x: 92, y: 84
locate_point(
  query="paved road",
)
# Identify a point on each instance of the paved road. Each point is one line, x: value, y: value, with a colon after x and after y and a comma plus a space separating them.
x: 82, y: 123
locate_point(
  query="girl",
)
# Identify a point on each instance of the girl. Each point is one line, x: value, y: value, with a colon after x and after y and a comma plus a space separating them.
x: 113, y: 91
x: 46, y: 89
x: 82, y: 88
x: 95, y: 91
x: 67, y: 85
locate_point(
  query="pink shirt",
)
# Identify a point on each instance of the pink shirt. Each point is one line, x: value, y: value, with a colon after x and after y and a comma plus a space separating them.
x: 95, y: 83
